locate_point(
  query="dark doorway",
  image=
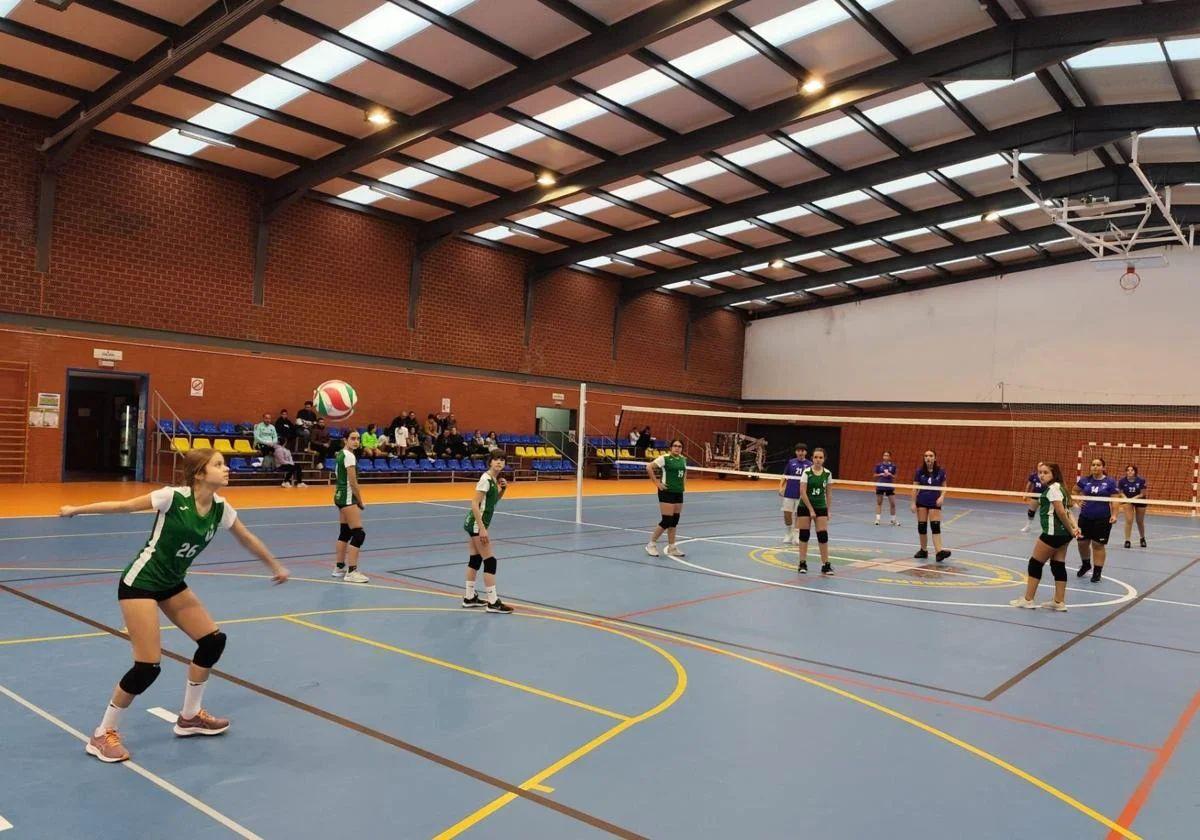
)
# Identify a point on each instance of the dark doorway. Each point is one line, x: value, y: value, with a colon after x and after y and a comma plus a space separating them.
x: 781, y: 441
x: 101, y: 426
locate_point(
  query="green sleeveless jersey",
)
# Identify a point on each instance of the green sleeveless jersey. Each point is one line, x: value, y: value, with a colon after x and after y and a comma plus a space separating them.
x: 491, y: 490
x: 1052, y: 523
x: 179, y: 534
x: 817, y: 487
x: 674, y: 471
x: 341, y: 478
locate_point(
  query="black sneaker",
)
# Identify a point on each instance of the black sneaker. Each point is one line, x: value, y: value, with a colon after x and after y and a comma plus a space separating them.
x: 1084, y: 569
x: 472, y: 602
x: 1127, y: 545
x: 1096, y: 575
x: 827, y: 569
x: 942, y: 555
x: 1142, y: 542
x: 499, y: 606
x: 921, y: 554
x: 803, y: 567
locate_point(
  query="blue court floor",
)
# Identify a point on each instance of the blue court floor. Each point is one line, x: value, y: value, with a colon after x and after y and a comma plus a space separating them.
x: 715, y: 695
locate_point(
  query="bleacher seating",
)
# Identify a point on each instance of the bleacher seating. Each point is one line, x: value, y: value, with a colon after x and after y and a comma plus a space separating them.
x: 227, y: 429
x: 222, y: 445
x: 180, y: 444
x: 243, y: 445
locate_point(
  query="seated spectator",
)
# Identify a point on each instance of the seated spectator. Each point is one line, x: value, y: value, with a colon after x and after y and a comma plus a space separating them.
x: 414, y: 427
x: 318, y: 441
x: 476, y: 445
x: 385, y: 443
x: 369, y: 445
x: 491, y: 442
x: 400, y: 438
x: 293, y: 476
x: 266, y: 436
x: 431, y: 427
x: 286, y: 429
x: 306, y: 418
x: 455, y: 444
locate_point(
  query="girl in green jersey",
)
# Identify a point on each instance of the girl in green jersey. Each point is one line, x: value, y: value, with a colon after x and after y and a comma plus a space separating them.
x: 815, y: 492
x: 489, y: 490
x: 1058, y: 529
x: 347, y: 498
x: 187, y: 519
x: 673, y: 467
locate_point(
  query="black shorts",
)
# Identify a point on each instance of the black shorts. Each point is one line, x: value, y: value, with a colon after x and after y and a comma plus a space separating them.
x: 816, y: 512
x: 670, y: 497
x: 929, y: 507
x: 127, y: 593
x: 1055, y: 541
x: 1096, y: 530
x: 885, y: 491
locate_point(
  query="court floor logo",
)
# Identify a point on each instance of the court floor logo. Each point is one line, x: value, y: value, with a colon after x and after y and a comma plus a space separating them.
x: 880, y: 566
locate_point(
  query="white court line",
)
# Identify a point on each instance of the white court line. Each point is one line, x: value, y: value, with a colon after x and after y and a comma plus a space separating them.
x: 208, y: 811
x: 160, y: 712
x: 5, y: 825
x: 1175, y: 603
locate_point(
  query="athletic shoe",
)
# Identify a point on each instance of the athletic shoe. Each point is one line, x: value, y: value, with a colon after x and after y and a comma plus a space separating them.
x: 652, y: 549
x: 338, y: 572
x: 921, y: 554
x: 1084, y: 569
x: 1025, y: 530
x: 287, y: 484
x: 877, y: 520
x: 202, y: 724
x: 1127, y: 545
x: 356, y: 577
x: 827, y: 569
x: 107, y: 747
x: 499, y: 606
x: 787, y: 538
x: 472, y: 602
x: 1057, y: 606
x: 897, y: 522
x: 301, y: 484
x: 1096, y: 574
x: 1142, y: 542
x: 1023, y: 604
x: 803, y: 567
x: 675, y: 551
x: 795, y: 538
x: 942, y: 555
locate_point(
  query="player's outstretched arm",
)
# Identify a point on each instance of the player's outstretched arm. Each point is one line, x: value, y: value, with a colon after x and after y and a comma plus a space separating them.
x: 255, y: 546
x: 135, y: 505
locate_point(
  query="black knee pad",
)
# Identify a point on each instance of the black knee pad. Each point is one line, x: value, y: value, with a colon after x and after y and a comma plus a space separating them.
x: 922, y: 527
x: 665, y: 522
x: 140, y: 677
x: 209, y: 649
x: 804, y: 534
x: 344, y: 533
x: 1058, y: 568
x: 1030, y: 513
x: 1035, y: 568
x: 476, y: 561
x: 489, y: 565
x: 936, y: 527
x: 674, y: 520
x: 822, y: 536
x: 357, y: 537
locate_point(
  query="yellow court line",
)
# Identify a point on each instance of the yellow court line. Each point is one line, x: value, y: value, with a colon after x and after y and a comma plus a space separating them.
x: 51, y: 638
x: 542, y: 788
x: 958, y: 516
x: 462, y: 670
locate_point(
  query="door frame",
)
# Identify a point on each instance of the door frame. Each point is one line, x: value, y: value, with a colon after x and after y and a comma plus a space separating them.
x: 142, y: 381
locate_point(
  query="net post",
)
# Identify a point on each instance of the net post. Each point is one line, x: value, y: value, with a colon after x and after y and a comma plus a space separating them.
x: 581, y: 452
x: 1195, y: 480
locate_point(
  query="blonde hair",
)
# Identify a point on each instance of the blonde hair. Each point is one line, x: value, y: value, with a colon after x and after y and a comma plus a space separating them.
x: 194, y: 464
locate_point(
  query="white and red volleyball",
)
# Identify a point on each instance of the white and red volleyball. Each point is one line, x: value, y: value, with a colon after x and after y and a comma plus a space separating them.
x: 335, y: 399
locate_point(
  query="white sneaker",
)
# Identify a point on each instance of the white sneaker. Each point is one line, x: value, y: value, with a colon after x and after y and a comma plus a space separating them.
x: 876, y: 520
x: 338, y: 572
x: 1023, y: 604
x: 1025, y: 530
x: 795, y: 538
x: 896, y: 522
x: 675, y: 551
x: 301, y: 484
x: 652, y: 549
x: 356, y: 577
x: 1055, y: 605
x: 287, y: 484
x: 787, y: 538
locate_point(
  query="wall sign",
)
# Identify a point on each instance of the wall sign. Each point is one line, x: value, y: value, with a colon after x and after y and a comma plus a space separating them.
x: 197, y: 387
x: 445, y: 405
x: 52, y: 401
x: 107, y: 355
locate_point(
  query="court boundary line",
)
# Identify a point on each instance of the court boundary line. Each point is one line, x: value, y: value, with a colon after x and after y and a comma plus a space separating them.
x: 180, y: 794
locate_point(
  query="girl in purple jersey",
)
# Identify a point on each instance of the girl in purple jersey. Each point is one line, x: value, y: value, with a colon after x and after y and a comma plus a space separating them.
x: 885, y: 476
x: 1133, y: 486
x: 1096, y: 519
x: 789, y: 491
x: 927, y: 505
x: 1033, y: 488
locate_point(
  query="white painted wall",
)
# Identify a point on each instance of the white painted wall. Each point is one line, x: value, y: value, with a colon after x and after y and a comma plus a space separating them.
x: 1062, y: 334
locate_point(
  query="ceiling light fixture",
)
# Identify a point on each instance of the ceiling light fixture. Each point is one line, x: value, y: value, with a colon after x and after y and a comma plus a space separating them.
x: 519, y: 231
x: 991, y: 216
x: 547, y: 179
x: 379, y: 117
x: 624, y: 261
x: 204, y: 138
x: 390, y: 192
x: 777, y: 264
x: 813, y: 85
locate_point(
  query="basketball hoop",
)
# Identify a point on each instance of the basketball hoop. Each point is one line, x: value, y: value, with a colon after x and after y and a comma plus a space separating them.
x: 1130, y: 280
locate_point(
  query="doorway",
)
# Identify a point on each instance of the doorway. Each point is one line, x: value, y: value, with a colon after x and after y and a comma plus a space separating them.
x: 103, y: 436
x: 557, y: 427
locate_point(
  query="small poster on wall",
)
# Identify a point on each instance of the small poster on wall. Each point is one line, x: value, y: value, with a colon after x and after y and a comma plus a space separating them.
x: 197, y: 387
x: 50, y: 401
x: 445, y: 405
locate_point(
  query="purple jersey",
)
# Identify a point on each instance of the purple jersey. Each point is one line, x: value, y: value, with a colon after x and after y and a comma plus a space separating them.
x: 929, y: 498
x: 885, y: 473
x: 791, y: 488
x: 1132, y: 486
x: 1035, y: 482
x: 1103, y: 486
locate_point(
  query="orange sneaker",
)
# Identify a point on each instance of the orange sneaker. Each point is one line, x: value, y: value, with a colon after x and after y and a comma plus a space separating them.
x: 107, y: 747
x: 202, y: 724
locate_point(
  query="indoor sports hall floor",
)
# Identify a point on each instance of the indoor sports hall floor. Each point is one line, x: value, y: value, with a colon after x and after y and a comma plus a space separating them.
x: 720, y: 695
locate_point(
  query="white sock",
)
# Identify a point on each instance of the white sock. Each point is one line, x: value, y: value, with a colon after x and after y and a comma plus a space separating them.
x: 489, y: 594
x: 111, y: 720
x: 470, y: 589
x: 193, y: 693
x: 877, y: 517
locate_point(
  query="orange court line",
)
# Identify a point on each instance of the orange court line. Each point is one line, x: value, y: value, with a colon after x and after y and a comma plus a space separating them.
x: 677, y: 604
x: 1156, y: 768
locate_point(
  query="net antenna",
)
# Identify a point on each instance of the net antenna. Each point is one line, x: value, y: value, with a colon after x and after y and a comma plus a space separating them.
x: 1127, y: 227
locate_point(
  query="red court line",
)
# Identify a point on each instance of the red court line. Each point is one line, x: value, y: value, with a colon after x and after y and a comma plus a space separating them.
x: 1155, y: 770
x: 676, y: 604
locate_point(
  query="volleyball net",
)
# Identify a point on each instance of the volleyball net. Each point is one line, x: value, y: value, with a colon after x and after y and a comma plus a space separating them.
x: 987, y: 454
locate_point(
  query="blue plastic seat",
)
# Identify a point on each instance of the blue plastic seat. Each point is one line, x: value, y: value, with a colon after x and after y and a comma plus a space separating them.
x: 335, y: 433
x: 396, y: 464
x: 226, y: 429
x: 330, y: 464
x: 439, y: 465
x: 427, y: 465
x: 366, y: 465
x: 208, y: 428
x: 188, y: 426
x: 381, y: 465
x: 166, y: 426
x: 237, y: 465
x: 452, y: 464
x: 411, y: 464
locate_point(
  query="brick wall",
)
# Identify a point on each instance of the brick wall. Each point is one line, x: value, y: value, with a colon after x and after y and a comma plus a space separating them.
x: 147, y: 243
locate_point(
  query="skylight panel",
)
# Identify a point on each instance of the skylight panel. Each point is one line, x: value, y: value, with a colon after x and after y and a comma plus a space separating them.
x: 639, y: 251
x: 807, y: 19
x: 495, y: 234
x: 853, y: 246
x: 811, y: 255
x: 921, y: 179
x: 756, y: 267
x: 1023, y: 208
x: 780, y: 295
x: 638, y: 189
x: 173, y: 141
x: 1185, y: 49
x: 716, y: 55
x: 361, y: 195
x: 731, y: 228
x: 906, y: 234
x: 385, y: 27
x: 678, y: 285
x: 566, y: 115
x: 833, y: 130
x: 758, y: 153
x: 683, y: 241
x: 1175, y: 131
x: 324, y: 61
x: 408, y: 178
x: 783, y: 215
x: 719, y: 275
x: 865, y: 279
x: 906, y: 107
x: 7, y: 6
x: 958, y: 261
x: 595, y: 262
x: 969, y: 167
x: 966, y: 88
x: 587, y: 206
x: 636, y: 88
x: 841, y: 200
x: 820, y: 288
x: 269, y: 92
x: 1008, y: 251
x: 510, y: 137
x: 222, y: 118
x: 456, y: 158
x: 1118, y: 55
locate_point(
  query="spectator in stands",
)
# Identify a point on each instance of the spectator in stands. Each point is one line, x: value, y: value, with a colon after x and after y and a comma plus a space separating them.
x: 293, y: 476
x: 455, y: 445
x: 476, y: 445
x: 431, y: 431
x: 318, y: 441
x: 448, y: 422
x: 414, y: 427
x: 286, y: 429
x: 266, y: 436
x: 370, y: 443
x: 644, y: 441
x: 306, y: 418
x: 491, y: 442
x: 400, y: 438
x: 634, y: 434
x: 385, y: 443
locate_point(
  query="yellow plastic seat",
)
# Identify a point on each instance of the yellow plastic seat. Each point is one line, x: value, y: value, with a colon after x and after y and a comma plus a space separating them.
x: 180, y: 444
x: 201, y: 443
x: 243, y: 445
x: 522, y: 452
x: 546, y: 452
x: 625, y: 453
x: 222, y: 445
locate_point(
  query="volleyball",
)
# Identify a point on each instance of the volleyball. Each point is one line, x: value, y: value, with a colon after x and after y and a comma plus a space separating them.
x: 335, y: 399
